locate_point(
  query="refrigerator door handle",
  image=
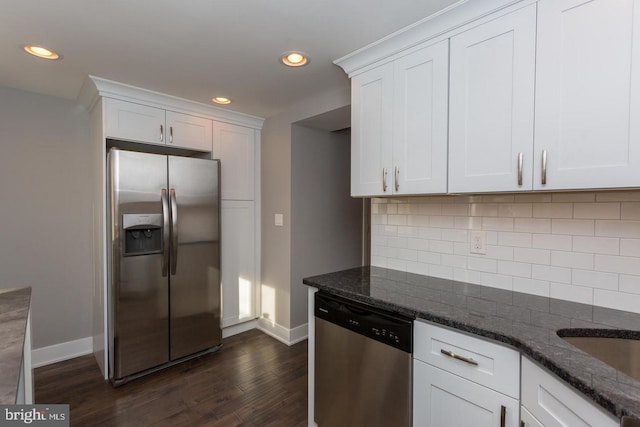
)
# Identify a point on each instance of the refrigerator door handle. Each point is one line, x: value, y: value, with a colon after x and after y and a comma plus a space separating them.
x: 174, y: 231
x: 165, y: 233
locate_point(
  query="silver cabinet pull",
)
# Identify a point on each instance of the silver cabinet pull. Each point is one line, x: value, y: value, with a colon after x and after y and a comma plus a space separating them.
x: 161, y: 133
x: 170, y: 134
x: 503, y: 416
x: 457, y: 356
x: 520, y: 168
x: 396, y: 172
x: 521, y: 423
x: 544, y: 167
x: 384, y: 179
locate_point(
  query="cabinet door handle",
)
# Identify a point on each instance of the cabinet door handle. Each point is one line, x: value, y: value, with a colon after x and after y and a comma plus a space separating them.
x: 521, y: 423
x: 170, y: 134
x: 457, y: 356
x: 161, y: 133
x: 520, y: 168
x: 384, y: 179
x: 503, y: 416
x: 544, y: 167
x: 396, y: 172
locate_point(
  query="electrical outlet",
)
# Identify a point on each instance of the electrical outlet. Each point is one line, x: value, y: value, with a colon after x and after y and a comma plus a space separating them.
x: 478, y: 242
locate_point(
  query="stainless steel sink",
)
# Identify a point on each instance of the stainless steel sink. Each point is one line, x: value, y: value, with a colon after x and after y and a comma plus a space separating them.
x: 619, y: 349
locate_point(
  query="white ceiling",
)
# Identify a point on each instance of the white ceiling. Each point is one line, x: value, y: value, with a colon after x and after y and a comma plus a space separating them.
x: 196, y: 49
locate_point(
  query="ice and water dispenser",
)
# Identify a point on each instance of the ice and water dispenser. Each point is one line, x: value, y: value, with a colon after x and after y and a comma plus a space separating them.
x: 142, y: 234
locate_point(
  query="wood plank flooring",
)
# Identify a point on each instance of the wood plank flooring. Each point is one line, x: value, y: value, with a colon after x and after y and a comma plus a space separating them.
x: 254, y: 380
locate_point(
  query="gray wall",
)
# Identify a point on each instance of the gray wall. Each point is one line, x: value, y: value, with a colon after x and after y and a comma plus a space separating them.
x: 326, y: 223
x: 276, y: 198
x: 45, y: 213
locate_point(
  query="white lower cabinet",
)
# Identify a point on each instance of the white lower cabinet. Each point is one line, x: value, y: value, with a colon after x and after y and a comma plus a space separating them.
x: 444, y: 399
x: 548, y: 402
x: 459, y: 380
x: 528, y: 420
x: 238, y: 262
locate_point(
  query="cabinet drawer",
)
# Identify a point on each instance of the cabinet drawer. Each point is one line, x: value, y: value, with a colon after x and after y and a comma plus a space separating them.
x: 555, y: 404
x: 486, y: 363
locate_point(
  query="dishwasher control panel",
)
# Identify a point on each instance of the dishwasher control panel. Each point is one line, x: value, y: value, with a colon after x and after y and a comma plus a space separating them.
x: 389, y: 328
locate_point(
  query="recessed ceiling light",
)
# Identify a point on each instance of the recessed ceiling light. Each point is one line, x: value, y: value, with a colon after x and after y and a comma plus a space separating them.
x: 41, y: 52
x: 294, y: 59
x: 221, y: 100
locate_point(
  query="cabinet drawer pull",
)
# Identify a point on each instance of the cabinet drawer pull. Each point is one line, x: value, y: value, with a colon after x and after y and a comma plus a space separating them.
x: 384, y: 179
x: 161, y: 133
x: 396, y: 172
x: 521, y: 423
x: 544, y: 167
x: 503, y: 416
x: 170, y: 134
x: 520, y: 168
x: 457, y: 356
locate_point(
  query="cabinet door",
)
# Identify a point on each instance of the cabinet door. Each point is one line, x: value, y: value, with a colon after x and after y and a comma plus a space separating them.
x: 588, y: 94
x: 444, y: 399
x: 421, y: 81
x: 188, y: 131
x: 491, y: 104
x: 235, y: 147
x: 371, y: 132
x: 555, y: 404
x: 238, y: 262
x: 134, y: 122
x: 528, y: 420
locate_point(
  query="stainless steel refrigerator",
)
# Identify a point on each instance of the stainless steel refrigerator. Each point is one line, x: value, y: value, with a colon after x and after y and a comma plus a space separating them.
x: 164, y: 266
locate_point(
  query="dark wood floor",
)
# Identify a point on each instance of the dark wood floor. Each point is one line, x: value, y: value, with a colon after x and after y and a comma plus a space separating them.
x: 254, y: 380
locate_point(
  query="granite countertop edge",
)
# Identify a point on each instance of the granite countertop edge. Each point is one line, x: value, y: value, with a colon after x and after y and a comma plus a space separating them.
x: 14, y: 313
x: 609, y: 403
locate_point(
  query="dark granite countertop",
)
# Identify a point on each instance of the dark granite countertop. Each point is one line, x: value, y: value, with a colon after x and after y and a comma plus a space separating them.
x: 14, y: 310
x: 526, y: 322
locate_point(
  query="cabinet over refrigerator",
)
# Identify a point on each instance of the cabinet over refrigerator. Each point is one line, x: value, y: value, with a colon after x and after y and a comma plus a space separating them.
x: 164, y: 262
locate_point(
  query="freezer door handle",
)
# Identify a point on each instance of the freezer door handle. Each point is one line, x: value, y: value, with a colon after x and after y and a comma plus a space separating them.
x: 165, y: 233
x: 174, y: 231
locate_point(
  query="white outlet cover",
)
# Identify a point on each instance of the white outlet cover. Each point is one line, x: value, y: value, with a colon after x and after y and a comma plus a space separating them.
x: 279, y: 220
x: 478, y: 244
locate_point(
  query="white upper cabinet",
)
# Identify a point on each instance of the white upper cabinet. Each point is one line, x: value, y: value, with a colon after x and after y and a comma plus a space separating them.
x: 588, y: 94
x: 371, y: 131
x: 492, y: 72
x: 399, y: 130
x: 134, y: 122
x: 141, y: 123
x: 235, y: 146
x: 420, y: 121
x: 188, y: 131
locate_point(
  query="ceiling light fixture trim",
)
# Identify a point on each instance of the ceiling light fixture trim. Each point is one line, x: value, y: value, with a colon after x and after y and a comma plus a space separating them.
x: 221, y: 100
x: 41, y: 51
x: 294, y: 58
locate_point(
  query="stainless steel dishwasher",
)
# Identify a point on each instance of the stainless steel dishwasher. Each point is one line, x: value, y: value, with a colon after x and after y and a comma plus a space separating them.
x: 362, y: 365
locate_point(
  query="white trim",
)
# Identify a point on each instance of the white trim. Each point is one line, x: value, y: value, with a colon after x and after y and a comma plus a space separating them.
x: 282, y: 334
x: 239, y: 328
x: 94, y: 87
x: 63, y: 351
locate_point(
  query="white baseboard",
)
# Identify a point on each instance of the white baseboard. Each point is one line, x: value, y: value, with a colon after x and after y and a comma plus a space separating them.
x: 239, y: 328
x: 282, y: 334
x: 63, y: 351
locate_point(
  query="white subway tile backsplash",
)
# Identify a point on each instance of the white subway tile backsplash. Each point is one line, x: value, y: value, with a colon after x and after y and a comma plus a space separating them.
x: 563, y: 291
x: 533, y: 225
x: 506, y: 238
x: 551, y: 241
x: 572, y: 259
x: 630, y: 247
x: 596, y: 245
x: 551, y: 273
x: 553, y: 210
x: 532, y: 256
x: 607, y: 228
x: 595, y: 279
x: 582, y: 246
x: 531, y: 286
x: 596, y: 210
